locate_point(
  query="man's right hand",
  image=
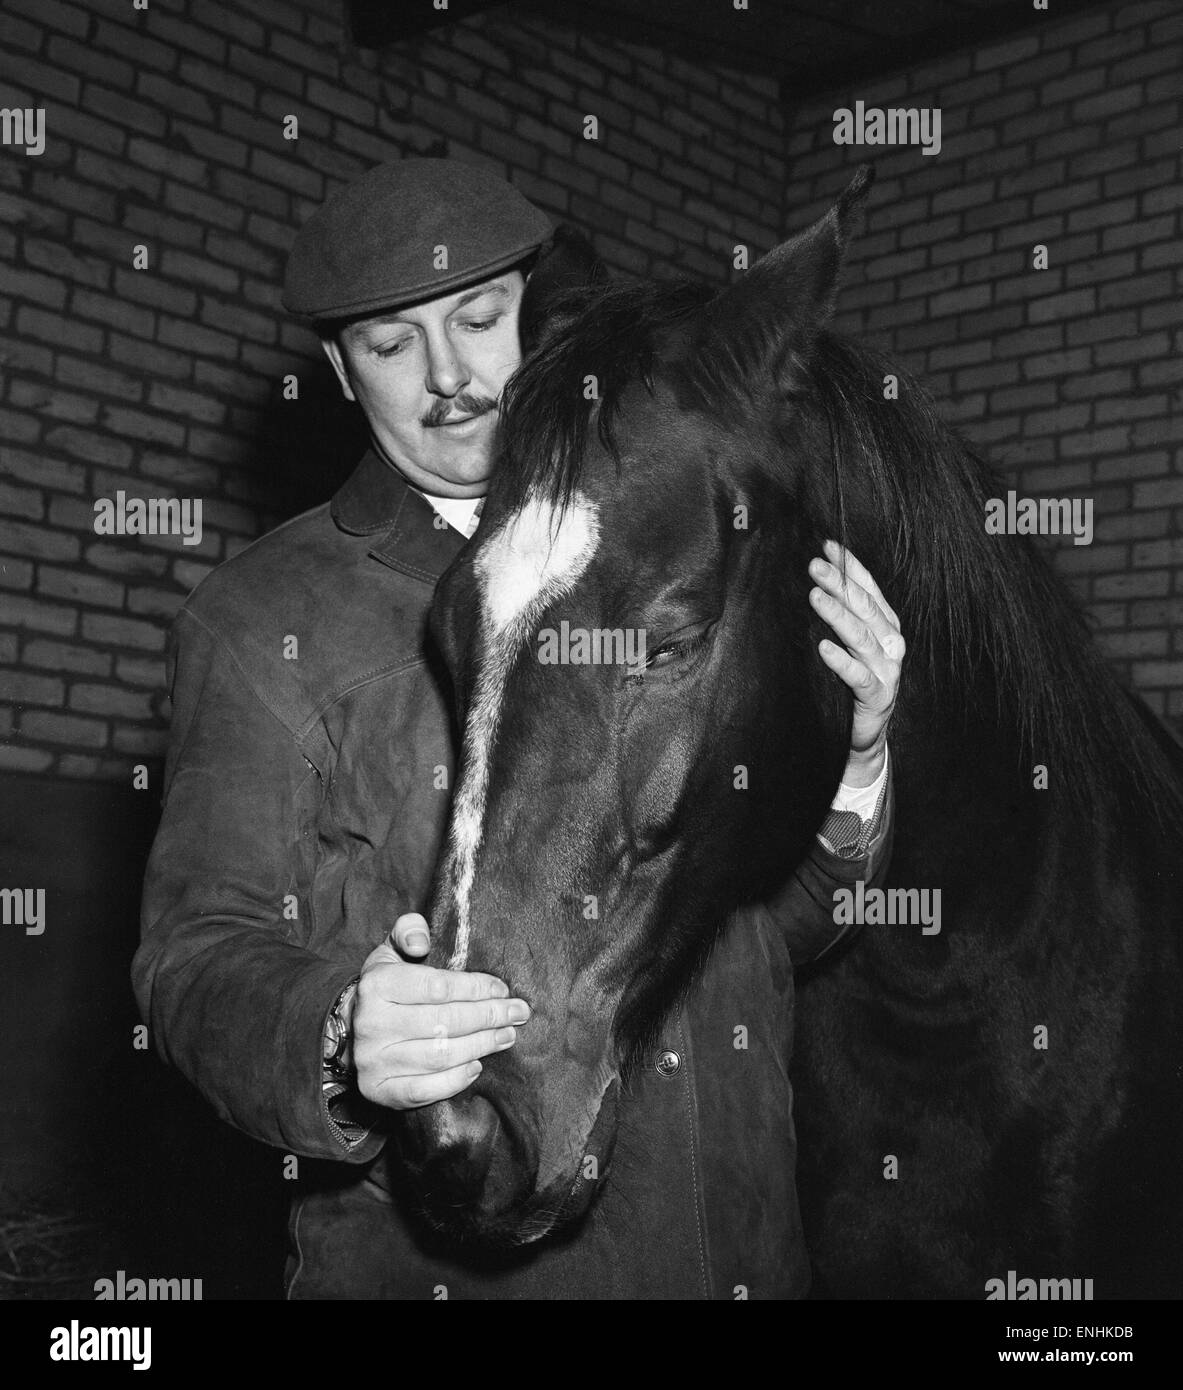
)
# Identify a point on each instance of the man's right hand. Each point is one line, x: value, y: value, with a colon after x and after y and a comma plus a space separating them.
x: 418, y: 1033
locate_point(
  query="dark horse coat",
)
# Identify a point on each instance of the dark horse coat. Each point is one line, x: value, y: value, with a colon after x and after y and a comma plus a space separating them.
x: 325, y: 781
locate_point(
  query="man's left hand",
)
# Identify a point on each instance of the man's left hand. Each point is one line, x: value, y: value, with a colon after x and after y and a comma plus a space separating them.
x: 869, y: 658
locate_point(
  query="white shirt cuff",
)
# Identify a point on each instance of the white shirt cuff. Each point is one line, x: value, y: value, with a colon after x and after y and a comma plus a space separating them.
x: 862, y: 800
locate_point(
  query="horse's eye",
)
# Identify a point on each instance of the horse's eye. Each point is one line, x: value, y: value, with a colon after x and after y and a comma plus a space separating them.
x: 678, y: 648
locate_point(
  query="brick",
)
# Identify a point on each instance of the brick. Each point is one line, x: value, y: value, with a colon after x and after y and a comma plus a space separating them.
x: 1141, y: 175
x: 1131, y: 348
x: 89, y: 446
x: 1165, y: 493
x: 961, y: 301
x: 48, y: 727
x: 1101, y: 326
x: 1133, y: 644
x: 217, y: 80
x: 28, y: 284
x: 15, y: 574
x: 1003, y: 55
x: 1139, y: 289
x: 130, y: 39
x: 34, y: 81
x: 156, y: 603
x: 25, y: 688
x: 151, y: 358
x: 40, y: 541
x: 83, y: 58
x: 123, y: 111
x: 62, y: 656
x: 53, y: 328
x: 1057, y: 420
x: 1072, y: 304
x: 1110, y: 102
x: 15, y: 425
x: 79, y: 586
x: 123, y: 632
x: 1067, y: 196
x: 24, y: 502
x: 126, y: 559
x: 156, y: 228
x: 139, y: 425
x: 111, y: 700
x: 193, y: 339
x: 1159, y: 673
x: 260, y: 328
x: 41, y: 617
x: 209, y: 144
x: 110, y: 310
x: 189, y: 573
x: 301, y: 55
x: 148, y: 743
x: 53, y: 14
x: 144, y: 671
x: 15, y: 758
x: 66, y: 263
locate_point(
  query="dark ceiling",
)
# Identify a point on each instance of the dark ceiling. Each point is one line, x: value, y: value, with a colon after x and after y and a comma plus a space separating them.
x: 812, y: 45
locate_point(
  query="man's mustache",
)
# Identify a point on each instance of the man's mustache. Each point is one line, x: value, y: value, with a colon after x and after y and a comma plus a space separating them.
x: 459, y: 407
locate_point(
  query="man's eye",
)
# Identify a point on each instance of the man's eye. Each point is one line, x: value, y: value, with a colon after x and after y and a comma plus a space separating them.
x: 392, y: 349
x: 480, y: 325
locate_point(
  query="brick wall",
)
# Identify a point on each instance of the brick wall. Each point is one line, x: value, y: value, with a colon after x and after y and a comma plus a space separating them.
x: 165, y: 129
x: 1068, y: 136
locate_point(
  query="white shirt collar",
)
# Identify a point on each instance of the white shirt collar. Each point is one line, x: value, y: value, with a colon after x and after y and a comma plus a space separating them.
x: 459, y: 512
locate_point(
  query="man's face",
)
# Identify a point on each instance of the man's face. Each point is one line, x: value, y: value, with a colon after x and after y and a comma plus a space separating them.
x: 429, y: 377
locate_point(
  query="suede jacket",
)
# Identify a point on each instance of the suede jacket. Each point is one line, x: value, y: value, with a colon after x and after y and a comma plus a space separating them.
x: 303, y: 812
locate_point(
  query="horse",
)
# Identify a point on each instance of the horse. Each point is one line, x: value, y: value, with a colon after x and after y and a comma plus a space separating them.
x: 999, y: 1098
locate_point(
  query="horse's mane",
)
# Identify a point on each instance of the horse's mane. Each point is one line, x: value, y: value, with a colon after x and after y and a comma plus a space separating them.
x: 907, y: 494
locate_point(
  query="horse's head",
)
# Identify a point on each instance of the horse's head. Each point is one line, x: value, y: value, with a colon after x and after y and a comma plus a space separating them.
x: 649, y: 737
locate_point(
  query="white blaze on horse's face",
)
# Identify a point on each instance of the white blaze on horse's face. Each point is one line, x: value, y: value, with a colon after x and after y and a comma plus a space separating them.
x: 535, y: 557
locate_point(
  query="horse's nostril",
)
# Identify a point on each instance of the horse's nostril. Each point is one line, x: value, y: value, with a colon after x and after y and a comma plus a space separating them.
x: 475, y: 1160
x: 470, y: 1121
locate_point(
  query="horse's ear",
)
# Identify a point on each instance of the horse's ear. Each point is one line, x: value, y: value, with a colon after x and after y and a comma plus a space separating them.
x: 770, y: 317
x: 566, y: 262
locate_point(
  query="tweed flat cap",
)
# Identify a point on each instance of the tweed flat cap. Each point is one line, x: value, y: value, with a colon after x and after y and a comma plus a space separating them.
x: 373, y: 244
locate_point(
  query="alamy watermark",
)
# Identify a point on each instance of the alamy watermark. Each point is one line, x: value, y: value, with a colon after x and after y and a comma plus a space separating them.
x: 79, y: 1343
x: 23, y: 907
x: 122, y: 515
x: 1045, y: 516
x: 23, y: 125
x: 123, y: 1289
x: 596, y: 646
x: 889, y: 907
x: 1012, y: 1288
x: 898, y: 125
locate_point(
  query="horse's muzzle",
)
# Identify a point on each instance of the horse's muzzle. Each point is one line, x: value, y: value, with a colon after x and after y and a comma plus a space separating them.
x: 477, y: 1175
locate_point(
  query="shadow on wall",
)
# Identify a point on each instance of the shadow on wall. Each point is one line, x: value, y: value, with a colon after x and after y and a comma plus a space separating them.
x: 306, y: 447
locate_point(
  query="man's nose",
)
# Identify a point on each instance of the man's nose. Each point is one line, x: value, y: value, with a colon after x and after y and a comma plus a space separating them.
x: 447, y: 372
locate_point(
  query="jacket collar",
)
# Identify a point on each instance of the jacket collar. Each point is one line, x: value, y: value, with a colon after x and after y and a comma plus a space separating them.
x: 376, y: 501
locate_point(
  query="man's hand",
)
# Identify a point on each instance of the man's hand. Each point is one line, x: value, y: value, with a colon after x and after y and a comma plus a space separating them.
x: 418, y: 1033
x: 870, y: 659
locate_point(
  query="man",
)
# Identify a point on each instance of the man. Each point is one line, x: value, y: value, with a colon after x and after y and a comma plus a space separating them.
x: 307, y: 789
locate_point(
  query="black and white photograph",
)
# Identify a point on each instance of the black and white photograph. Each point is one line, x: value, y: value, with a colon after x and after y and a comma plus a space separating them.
x: 591, y: 666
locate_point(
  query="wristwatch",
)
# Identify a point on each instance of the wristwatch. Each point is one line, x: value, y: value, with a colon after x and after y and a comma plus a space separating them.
x: 336, y: 1035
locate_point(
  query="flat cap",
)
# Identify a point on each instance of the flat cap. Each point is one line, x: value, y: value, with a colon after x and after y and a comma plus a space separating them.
x: 372, y: 245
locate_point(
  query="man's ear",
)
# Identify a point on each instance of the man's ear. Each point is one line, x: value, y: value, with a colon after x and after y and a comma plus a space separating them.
x: 765, y: 324
x: 567, y: 262
x: 332, y: 348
